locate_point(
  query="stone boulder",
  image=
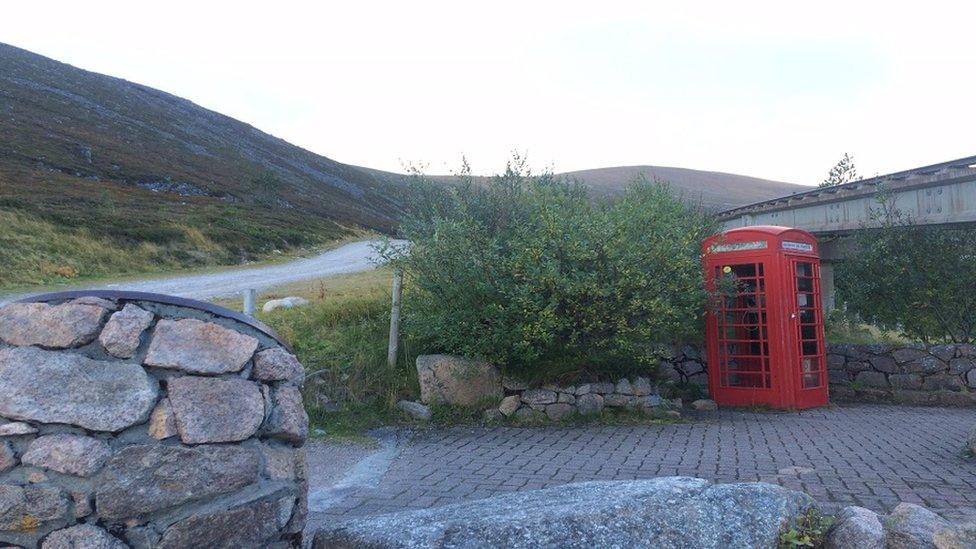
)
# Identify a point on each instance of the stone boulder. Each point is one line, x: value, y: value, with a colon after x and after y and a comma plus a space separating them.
x: 278, y: 365
x: 210, y: 409
x: 288, y: 420
x: 415, y: 410
x: 52, y: 326
x: 139, y: 480
x: 661, y: 512
x: 16, y: 428
x: 912, y: 526
x: 509, y: 404
x: 8, y: 459
x: 283, y: 303
x: 589, y: 404
x: 199, y: 347
x: 26, y: 509
x: 971, y: 442
x: 856, y: 528
x: 123, y: 331
x: 82, y: 536
x: 704, y: 405
x: 447, y: 379
x: 956, y: 536
x: 69, y: 454
x: 250, y: 525
x: 53, y: 387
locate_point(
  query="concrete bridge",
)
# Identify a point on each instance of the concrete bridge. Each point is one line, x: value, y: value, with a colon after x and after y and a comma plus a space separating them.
x: 940, y: 194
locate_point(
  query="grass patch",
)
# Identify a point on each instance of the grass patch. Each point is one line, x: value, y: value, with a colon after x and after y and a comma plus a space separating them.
x: 810, y: 530
x: 35, y: 251
x: 350, y: 423
x: 341, y: 337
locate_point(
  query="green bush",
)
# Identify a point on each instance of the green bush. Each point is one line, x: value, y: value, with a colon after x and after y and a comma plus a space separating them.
x: 529, y: 271
x: 913, y: 279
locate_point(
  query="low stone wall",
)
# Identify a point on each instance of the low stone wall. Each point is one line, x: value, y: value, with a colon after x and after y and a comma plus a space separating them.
x: 145, y: 421
x: 935, y: 375
x: 556, y: 403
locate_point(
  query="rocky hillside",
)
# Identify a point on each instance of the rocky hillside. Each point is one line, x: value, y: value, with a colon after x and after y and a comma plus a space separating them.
x: 100, y: 165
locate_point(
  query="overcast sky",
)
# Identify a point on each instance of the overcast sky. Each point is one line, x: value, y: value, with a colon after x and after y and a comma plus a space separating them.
x: 770, y: 89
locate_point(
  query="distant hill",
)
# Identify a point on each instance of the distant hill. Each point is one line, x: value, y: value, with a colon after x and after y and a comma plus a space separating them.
x: 714, y: 190
x: 112, y: 166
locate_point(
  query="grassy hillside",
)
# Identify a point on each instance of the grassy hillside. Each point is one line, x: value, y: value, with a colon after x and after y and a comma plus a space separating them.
x: 99, y: 175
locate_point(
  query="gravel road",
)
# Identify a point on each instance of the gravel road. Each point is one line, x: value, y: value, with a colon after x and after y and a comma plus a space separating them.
x: 350, y: 258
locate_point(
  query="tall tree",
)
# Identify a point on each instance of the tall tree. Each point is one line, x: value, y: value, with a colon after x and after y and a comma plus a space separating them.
x: 842, y: 172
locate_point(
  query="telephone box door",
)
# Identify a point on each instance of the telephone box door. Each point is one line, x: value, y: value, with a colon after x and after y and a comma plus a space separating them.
x: 806, y: 322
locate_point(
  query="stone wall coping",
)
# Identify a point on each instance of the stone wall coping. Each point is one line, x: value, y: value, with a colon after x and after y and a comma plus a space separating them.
x: 165, y: 300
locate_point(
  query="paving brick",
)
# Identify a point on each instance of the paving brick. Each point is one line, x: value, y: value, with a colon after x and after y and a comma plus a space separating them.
x: 871, y: 455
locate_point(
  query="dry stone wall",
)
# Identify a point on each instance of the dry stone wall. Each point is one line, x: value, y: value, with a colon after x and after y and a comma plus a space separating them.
x: 135, y: 422
x: 933, y: 375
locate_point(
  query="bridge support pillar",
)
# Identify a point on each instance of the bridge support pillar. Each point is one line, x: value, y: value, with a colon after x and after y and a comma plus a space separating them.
x: 827, y: 290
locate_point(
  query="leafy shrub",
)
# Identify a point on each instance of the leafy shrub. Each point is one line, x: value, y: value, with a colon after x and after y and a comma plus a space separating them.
x: 810, y: 530
x: 526, y: 271
x: 913, y: 279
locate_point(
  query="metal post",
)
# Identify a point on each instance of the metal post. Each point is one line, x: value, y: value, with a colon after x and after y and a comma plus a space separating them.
x: 250, y: 298
x: 391, y: 355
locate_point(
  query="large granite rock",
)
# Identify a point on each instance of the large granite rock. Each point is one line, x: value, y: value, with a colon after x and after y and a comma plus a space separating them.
x: 856, y: 528
x: 69, y: 454
x: 455, y: 380
x: 589, y: 404
x: 123, y: 331
x: 53, y: 326
x: 210, y: 409
x: 8, y: 459
x: 288, y: 420
x: 16, y: 429
x: 199, y: 347
x: 956, y: 536
x: 139, y: 480
x: 53, y: 387
x: 162, y: 421
x: 250, y: 525
x: 28, y: 508
x: 663, y: 512
x: 278, y: 365
x: 912, y: 526
x: 82, y: 536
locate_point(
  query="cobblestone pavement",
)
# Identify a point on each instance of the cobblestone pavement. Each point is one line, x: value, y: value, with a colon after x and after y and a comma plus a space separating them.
x: 869, y: 455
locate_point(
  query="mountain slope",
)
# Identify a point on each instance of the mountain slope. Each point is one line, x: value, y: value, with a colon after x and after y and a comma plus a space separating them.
x: 714, y: 190
x: 128, y: 167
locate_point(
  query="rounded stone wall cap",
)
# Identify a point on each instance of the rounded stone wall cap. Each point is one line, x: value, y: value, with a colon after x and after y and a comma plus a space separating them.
x: 163, y: 299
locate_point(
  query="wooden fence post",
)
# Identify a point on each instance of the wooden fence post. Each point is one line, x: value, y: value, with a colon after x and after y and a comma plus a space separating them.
x: 391, y: 355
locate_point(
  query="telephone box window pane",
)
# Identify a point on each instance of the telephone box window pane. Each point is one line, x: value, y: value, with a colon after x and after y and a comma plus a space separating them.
x: 807, y: 316
x: 742, y: 331
x: 804, y: 269
x: 804, y: 299
x: 811, y: 381
x: 810, y: 348
x: 808, y: 365
x: 804, y: 284
x: 808, y: 332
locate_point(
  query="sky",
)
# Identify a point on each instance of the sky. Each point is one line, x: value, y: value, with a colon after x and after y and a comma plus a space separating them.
x: 779, y: 90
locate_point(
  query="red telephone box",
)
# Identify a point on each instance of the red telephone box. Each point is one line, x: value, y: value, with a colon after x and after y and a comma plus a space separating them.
x: 764, y: 338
